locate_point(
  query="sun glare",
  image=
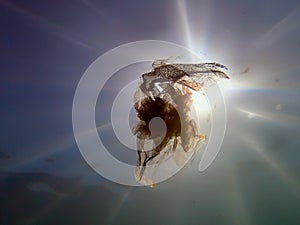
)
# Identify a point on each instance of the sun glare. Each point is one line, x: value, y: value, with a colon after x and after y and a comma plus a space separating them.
x: 201, y: 103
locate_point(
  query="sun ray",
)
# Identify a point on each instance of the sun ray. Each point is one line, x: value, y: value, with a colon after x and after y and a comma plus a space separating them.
x: 51, y: 27
x: 47, y: 209
x: 104, y: 126
x: 118, y: 206
x: 185, y: 23
x: 49, y: 148
x: 273, y: 115
x: 195, y: 46
x: 240, y: 206
x: 92, y: 6
x: 283, y: 173
x: 285, y: 25
x: 252, y: 114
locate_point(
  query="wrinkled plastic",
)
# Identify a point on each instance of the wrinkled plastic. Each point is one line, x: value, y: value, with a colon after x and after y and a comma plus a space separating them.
x: 166, y: 92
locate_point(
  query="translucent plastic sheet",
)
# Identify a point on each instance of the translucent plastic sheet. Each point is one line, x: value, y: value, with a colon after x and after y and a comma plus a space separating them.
x: 166, y: 92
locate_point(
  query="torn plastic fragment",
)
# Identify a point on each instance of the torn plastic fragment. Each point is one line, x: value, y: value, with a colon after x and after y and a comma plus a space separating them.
x: 166, y: 92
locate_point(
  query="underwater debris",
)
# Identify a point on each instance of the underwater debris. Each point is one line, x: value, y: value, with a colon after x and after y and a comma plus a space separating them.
x: 245, y: 70
x: 166, y: 92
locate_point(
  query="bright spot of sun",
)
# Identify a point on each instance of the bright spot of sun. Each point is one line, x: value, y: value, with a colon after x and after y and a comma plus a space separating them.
x: 250, y: 115
x: 227, y: 86
x: 200, y: 102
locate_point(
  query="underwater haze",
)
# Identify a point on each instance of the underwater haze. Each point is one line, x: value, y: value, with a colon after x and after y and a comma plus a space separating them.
x: 45, y: 48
